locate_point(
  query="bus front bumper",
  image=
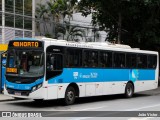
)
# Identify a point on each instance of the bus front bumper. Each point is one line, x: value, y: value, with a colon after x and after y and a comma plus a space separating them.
x: 40, y: 93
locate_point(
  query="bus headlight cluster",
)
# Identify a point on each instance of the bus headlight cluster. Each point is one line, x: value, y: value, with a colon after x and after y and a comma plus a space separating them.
x: 36, y: 87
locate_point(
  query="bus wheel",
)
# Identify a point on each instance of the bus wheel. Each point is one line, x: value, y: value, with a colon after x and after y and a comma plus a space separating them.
x: 70, y: 96
x: 129, y: 90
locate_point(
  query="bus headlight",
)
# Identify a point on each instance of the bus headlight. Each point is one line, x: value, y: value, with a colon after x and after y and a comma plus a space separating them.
x: 36, y: 87
x: 39, y: 86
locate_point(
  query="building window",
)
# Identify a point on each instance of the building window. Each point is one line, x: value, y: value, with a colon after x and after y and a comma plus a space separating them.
x: 19, y: 6
x: 0, y: 18
x: 18, y: 33
x: 27, y: 34
x: 9, y: 5
x: 9, y: 20
x: 27, y: 23
x: 19, y: 21
x: 28, y: 7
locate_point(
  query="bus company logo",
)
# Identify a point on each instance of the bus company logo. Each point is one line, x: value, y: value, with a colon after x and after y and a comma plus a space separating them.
x: 134, y: 74
x: 75, y: 75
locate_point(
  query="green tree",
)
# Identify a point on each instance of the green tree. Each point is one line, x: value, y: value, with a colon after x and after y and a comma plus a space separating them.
x: 135, y: 22
x: 70, y: 32
x: 59, y: 9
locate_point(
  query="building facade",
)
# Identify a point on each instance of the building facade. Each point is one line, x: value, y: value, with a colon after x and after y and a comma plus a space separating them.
x: 17, y: 19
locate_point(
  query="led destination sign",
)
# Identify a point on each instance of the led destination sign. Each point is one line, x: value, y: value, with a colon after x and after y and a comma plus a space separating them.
x: 25, y: 44
x: 35, y: 44
x: 11, y: 70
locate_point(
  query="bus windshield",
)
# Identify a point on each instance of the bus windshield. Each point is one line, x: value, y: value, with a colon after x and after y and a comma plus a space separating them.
x: 29, y: 63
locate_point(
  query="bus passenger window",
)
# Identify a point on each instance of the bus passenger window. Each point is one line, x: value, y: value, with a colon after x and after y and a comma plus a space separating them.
x: 119, y: 60
x: 73, y: 57
x: 142, y: 61
x: 131, y: 60
x: 105, y: 59
x: 152, y: 61
x: 90, y: 58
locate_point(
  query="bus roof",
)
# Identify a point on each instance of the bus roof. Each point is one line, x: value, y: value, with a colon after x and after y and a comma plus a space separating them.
x: 96, y: 45
x: 92, y: 45
x: 25, y: 38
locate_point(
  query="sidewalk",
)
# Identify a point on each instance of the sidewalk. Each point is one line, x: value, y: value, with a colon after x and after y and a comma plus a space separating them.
x: 5, y: 98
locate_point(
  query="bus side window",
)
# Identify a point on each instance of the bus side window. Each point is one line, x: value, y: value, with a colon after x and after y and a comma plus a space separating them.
x: 131, y: 60
x: 119, y: 60
x: 73, y: 57
x: 152, y: 61
x: 49, y: 63
x: 142, y: 61
x: 105, y: 59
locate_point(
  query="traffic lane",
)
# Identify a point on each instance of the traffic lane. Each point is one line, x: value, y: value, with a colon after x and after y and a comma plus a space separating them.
x: 84, y: 107
x: 84, y: 103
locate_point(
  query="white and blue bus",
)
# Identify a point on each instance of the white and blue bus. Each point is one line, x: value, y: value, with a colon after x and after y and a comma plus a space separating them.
x: 44, y: 69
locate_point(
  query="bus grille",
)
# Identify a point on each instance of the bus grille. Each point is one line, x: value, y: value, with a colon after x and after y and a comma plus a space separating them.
x: 21, y: 92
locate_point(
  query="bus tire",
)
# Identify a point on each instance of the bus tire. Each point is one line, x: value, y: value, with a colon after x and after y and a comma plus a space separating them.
x: 129, y: 90
x: 70, y: 96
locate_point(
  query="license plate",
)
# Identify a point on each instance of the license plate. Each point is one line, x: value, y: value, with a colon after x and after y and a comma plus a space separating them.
x: 17, y: 93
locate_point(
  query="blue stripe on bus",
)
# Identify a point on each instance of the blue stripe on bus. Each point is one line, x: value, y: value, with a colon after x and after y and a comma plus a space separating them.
x: 23, y: 86
x: 102, y: 75
x: 24, y: 38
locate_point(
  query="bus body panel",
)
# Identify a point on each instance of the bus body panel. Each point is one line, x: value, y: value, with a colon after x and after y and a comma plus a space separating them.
x: 77, y: 75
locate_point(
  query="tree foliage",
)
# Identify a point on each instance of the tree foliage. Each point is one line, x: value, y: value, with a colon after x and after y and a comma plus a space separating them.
x: 54, y: 11
x: 138, y: 21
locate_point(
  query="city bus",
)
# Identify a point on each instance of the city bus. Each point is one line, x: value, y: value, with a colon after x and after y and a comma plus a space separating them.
x: 46, y: 69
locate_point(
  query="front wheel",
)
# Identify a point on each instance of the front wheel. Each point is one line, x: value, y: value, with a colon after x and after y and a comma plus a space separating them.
x: 129, y: 90
x: 70, y: 96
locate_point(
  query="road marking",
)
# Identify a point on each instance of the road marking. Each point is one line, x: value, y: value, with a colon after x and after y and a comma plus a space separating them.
x: 69, y: 109
x: 147, y: 118
x: 134, y: 109
x: 81, y: 118
x: 89, y: 108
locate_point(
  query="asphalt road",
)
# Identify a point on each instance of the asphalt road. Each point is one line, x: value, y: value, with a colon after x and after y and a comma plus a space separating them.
x: 88, y: 108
